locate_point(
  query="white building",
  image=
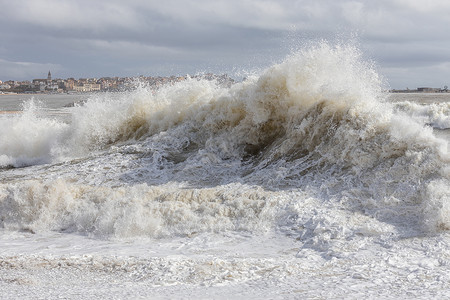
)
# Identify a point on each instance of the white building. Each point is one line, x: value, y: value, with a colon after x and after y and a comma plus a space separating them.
x: 87, y: 87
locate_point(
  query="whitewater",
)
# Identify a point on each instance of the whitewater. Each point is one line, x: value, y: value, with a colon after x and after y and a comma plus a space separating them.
x: 307, y: 180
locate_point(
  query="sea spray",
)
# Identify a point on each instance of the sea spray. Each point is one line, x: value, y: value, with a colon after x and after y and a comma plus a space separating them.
x: 28, y: 139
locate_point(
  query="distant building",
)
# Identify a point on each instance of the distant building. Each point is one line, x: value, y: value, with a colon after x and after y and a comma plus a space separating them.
x: 87, y: 87
x: 12, y: 83
x: 4, y: 86
x: 428, y: 90
x: 49, y: 76
x: 92, y: 87
x: 69, y: 84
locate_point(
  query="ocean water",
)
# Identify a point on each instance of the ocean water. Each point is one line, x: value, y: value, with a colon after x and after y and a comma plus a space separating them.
x: 307, y: 180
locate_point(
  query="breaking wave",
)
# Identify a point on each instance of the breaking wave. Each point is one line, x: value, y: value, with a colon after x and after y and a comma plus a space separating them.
x: 309, y: 147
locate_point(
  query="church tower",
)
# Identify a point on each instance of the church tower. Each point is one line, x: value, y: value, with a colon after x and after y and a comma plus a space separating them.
x: 49, y: 77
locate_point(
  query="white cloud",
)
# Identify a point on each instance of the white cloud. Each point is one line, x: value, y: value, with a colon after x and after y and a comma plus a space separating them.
x: 384, y: 18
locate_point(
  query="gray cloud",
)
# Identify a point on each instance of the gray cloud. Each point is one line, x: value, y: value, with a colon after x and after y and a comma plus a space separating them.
x: 95, y: 38
x: 17, y: 69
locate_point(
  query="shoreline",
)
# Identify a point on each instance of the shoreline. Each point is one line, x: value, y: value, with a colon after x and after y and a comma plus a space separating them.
x: 10, y: 112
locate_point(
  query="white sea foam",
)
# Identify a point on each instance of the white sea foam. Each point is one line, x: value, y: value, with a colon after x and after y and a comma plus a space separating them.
x: 436, y: 115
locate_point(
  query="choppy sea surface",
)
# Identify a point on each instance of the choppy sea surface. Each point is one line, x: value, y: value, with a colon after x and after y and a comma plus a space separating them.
x: 307, y: 180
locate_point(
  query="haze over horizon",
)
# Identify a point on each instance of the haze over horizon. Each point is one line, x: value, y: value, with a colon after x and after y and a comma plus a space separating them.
x: 406, y: 39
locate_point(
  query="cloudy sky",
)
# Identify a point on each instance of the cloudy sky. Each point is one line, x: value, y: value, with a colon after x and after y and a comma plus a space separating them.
x: 409, y: 40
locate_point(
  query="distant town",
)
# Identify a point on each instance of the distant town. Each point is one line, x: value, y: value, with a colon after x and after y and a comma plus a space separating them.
x: 89, y: 85
x: 114, y: 84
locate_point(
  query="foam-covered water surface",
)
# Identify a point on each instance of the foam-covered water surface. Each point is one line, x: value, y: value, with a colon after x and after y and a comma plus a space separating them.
x: 300, y: 181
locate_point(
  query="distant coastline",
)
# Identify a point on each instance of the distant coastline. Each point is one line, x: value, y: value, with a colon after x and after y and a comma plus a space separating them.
x: 117, y: 84
x: 104, y: 84
x: 422, y: 90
